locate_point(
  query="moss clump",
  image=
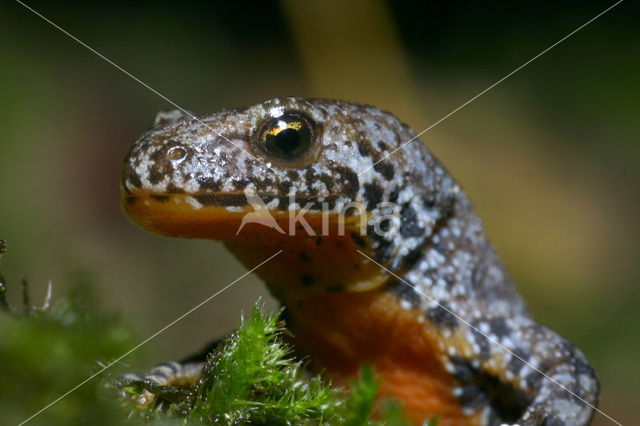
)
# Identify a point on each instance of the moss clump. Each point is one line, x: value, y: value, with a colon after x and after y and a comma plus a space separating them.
x: 253, y: 378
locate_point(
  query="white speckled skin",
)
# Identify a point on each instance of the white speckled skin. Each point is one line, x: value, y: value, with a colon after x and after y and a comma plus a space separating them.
x: 439, y: 247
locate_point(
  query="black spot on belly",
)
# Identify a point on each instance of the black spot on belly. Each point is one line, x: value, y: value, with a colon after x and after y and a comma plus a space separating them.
x: 307, y: 280
x: 441, y: 315
x: 385, y: 169
x: 131, y: 200
x: 160, y: 198
x: 404, y: 291
x: 305, y: 257
x: 409, y: 223
x: 372, y: 195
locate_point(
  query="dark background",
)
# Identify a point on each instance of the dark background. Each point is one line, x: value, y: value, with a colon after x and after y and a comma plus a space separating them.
x: 550, y: 156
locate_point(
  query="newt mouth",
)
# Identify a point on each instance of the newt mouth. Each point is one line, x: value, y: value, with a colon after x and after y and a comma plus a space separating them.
x: 321, y: 242
x: 213, y: 215
x: 210, y: 216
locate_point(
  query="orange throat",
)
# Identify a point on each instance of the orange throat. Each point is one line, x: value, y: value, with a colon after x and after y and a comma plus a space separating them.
x: 321, y: 257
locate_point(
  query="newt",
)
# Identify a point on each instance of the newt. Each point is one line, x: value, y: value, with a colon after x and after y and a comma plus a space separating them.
x: 385, y: 261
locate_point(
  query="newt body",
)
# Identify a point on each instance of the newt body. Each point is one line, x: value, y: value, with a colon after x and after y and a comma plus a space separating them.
x: 430, y: 327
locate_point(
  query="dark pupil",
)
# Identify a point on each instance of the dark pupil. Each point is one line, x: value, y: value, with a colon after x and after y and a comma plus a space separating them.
x: 286, y: 141
x: 287, y: 137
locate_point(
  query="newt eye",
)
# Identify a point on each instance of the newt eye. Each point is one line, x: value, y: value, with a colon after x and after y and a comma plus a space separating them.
x: 287, y: 136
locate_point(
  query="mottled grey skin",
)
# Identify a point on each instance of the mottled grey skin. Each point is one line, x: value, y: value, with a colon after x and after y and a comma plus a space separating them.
x: 439, y: 246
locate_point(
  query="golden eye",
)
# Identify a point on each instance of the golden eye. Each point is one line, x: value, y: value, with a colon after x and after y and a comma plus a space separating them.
x: 287, y: 136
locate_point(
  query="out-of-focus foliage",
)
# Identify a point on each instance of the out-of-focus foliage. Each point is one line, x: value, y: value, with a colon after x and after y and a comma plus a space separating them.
x: 362, y: 396
x: 45, y: 354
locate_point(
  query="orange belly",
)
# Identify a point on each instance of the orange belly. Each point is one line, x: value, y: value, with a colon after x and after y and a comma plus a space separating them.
x: 342, y: 331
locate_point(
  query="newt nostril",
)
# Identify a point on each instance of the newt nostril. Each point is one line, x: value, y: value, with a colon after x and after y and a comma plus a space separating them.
x: 177, y: 153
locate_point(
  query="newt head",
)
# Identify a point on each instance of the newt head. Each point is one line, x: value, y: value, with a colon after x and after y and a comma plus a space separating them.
x: 310, y: 177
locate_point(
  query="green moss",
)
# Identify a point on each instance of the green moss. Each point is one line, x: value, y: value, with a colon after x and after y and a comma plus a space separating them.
x: 253, y: 378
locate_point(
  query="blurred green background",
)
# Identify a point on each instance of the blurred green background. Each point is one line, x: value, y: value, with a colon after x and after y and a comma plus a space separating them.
x: 550, y: 157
